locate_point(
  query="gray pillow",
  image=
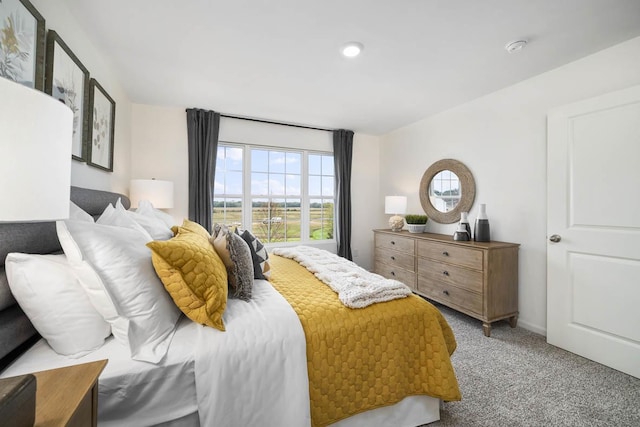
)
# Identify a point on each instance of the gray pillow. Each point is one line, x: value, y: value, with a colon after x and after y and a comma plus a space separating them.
x: 259, y: 254
x: 236, y: 255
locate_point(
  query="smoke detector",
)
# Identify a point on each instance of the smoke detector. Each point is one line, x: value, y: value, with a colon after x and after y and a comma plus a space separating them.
x: 515, y: 46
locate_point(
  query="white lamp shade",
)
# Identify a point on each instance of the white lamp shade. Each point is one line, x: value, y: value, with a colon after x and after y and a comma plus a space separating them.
x: 36, y: 132
x: 395, y: 205
x: 159, y: 193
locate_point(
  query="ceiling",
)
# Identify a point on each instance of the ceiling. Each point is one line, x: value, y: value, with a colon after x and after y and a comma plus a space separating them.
x: 280, y: 60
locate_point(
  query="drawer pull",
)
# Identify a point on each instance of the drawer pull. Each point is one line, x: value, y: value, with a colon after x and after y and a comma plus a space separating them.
x: 393, y: 258
x: 393, y: 273
x: 446, y: 273
x: 393, y: 243
x: 445, y: 253
x: 445, y: 292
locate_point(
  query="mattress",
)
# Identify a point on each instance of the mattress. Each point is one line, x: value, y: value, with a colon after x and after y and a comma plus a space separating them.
x: 131, y: 393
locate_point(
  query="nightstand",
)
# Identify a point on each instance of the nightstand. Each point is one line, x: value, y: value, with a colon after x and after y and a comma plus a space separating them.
x: 68, y: 396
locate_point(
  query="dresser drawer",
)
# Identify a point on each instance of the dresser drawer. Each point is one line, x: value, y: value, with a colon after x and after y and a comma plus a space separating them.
x: 448, y: 274
x: 397, y: 243
x: 390, y: 272
x: 395, y: 258
x: 453, y: 254
x: 451, y: 295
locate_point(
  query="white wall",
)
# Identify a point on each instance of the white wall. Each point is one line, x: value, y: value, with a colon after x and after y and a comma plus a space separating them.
x: 159, y: 150
x: 502, y: 138
x: 366, y: 203
x: 58, y: 17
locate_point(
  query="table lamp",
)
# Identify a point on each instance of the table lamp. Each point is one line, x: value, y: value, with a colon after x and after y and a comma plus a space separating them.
x: 36, y: 132
x: 395, y: 205
x: 158, y: 192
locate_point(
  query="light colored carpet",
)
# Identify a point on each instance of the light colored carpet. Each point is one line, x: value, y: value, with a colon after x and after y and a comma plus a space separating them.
x: 514, y: 378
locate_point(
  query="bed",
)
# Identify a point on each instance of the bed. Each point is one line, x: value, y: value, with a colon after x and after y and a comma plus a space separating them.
x: 258, y: 372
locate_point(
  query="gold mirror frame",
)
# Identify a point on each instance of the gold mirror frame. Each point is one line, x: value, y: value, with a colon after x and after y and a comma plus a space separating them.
x: 467, y: 186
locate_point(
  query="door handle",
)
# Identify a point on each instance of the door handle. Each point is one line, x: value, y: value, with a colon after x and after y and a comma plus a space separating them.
x: 555, y: 238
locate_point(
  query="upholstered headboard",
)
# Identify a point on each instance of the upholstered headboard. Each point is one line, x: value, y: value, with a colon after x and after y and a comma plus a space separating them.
x: 16, y: 331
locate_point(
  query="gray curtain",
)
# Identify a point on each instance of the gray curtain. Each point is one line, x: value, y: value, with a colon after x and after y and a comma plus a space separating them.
x: 342, y: 155
x: 203, y: 127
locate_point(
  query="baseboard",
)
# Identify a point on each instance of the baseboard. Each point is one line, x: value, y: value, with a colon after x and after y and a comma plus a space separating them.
x: 531, y: 327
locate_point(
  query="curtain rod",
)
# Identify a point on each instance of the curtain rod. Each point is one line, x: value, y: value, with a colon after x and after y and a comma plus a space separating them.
x: 274, y: 123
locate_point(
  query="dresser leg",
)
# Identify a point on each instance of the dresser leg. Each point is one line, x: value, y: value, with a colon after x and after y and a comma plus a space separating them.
x: 486, y: 328
x: 513, y: 321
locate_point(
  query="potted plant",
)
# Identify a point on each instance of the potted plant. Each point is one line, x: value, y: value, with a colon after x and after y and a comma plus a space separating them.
x: 416, y: 223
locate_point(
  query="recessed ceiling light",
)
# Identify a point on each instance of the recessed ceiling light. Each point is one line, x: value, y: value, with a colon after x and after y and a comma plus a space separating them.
x: 352, y: 49
x: 515, y: 46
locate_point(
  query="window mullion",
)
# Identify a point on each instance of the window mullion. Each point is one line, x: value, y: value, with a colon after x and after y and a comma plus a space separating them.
x: 304, y: 199
x: 246, y: 188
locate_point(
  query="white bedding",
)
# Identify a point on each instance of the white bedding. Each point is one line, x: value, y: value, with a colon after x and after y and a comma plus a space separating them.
x: 264, y: 380
x: 131, y: 393
x: 254, y: 374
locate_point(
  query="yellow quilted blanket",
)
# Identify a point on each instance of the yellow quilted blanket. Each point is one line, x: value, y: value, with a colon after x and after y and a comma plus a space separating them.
x: 361, y: 359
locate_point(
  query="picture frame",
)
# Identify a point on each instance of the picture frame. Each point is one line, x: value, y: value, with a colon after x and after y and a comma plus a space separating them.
x: 22, y: 43
x: 67, y: 80
x: 101, y: 127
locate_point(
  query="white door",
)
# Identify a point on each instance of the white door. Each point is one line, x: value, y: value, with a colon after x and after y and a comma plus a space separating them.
x: 593, y: 215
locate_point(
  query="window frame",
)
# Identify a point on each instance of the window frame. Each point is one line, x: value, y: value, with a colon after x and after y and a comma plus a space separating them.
x: 305, y: 199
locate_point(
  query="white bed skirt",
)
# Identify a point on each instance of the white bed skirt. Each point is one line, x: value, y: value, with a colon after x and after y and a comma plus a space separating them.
x: 411, y: 411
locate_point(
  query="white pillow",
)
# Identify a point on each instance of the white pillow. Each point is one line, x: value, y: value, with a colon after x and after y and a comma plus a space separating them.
x: 114, y: 266
x: 146, y: 208
x: 154, y: 226
x: 119, y: 218
x: 78, y: 214
x: 50, y: 295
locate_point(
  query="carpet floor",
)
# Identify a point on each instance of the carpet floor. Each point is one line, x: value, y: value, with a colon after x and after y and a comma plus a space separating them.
x: 514, y: 378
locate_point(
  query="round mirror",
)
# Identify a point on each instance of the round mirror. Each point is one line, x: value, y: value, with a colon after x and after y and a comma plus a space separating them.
x: 447, y: 188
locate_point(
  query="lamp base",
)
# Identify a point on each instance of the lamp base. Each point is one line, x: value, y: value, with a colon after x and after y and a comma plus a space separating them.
x: 396, y: 223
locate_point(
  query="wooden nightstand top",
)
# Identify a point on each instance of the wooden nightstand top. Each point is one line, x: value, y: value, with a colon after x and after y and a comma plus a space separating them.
x: 61, y: 391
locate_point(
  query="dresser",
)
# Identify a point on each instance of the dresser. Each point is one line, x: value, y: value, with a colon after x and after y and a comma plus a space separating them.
x: 479, y: 279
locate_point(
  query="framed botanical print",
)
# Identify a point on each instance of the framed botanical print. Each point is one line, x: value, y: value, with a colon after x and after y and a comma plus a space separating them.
x: 22, y: 43
x: 67, y: 80
x: 102, y: 116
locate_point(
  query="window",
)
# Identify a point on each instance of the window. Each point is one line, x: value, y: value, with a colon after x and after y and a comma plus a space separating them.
x: 227, y: 208
x: 321, y: 202
x: 289, y: 193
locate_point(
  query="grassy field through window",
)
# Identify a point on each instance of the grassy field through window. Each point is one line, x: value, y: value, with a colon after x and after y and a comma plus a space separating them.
x: 275, y: 223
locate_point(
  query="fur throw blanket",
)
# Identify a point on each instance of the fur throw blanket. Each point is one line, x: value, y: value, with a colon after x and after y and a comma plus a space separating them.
x: 355, y: 286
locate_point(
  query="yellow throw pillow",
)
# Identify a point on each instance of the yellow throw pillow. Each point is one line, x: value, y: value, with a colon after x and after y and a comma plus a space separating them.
x: 192, y: 227
x: 194, y: 275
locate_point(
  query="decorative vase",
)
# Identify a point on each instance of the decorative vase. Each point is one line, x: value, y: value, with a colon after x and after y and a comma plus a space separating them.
x: 464, y: 220
x: 482, y: 233
x: 461, y: 234
x: 416, y: 228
